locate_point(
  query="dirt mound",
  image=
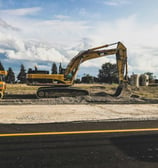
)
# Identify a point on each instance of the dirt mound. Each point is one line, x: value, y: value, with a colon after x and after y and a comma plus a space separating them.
x: 97, y: 98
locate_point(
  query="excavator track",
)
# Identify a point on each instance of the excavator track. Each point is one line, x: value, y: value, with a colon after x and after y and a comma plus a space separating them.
x: 52, y: 92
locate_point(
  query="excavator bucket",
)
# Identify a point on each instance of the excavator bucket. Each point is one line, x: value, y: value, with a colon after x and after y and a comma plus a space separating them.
x: 122, y: 91
x: 118, y: 91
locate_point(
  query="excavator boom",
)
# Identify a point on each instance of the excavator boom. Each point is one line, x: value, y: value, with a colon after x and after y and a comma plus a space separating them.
x: 97, y: 52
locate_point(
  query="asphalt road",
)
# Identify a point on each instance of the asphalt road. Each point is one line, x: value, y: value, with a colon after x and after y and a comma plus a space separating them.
x: 134, y: 146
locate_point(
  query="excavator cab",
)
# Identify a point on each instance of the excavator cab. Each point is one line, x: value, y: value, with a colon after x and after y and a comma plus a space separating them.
x: 2, y: 83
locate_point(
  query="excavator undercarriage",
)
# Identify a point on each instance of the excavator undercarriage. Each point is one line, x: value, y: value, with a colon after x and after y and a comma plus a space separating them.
x: 48, y: 92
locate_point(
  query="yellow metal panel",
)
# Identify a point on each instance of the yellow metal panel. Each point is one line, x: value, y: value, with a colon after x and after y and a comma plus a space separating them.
x: 46, y: 76
x: 3, y: 72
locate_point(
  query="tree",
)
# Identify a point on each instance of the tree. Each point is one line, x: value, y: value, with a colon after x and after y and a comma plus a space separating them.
x: 1, y: 67
x: 87, y: 79
x: 10, y: 78
x: 54, y: 68
x: 22, y: 74
x: 108, y: 73
x: 60, y: 69
x: 77, y: 80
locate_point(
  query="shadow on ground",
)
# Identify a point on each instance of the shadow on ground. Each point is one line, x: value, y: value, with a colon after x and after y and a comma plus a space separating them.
x: 139, y: 147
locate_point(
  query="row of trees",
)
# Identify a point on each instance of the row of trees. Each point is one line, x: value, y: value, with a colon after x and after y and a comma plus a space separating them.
x: 10, y: 78
x: 55, y: 70
x: 21, y: 77
x: 107, y: 74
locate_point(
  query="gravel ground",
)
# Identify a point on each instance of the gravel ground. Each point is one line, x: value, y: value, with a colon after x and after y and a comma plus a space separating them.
x: 75, y: 113
x: 98, y: 106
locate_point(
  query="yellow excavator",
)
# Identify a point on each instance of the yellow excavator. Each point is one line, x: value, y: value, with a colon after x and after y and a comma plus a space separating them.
x: 57, y: 85
x: 2, y: 82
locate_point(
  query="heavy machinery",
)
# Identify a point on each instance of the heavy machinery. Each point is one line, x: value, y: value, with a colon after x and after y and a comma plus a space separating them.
x: 2, y: 82
x: 57, y: 85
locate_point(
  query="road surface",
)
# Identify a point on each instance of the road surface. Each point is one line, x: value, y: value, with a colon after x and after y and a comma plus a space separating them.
x: 131, y: 144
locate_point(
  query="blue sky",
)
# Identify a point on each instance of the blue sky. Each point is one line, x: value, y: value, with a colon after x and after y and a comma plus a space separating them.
x: 86, y: 9
x: 39, y: 32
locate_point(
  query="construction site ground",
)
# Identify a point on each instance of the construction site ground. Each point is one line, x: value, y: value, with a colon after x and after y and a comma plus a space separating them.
x: 20, y: 105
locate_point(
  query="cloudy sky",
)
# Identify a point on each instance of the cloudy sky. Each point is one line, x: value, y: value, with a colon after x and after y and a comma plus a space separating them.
x: 40, y: 32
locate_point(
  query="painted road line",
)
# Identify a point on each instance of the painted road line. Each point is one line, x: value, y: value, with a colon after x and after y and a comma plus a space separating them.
x: 78, y: 132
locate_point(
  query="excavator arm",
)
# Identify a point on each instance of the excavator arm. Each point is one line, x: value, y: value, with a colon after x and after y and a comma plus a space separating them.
x: 121, y: 60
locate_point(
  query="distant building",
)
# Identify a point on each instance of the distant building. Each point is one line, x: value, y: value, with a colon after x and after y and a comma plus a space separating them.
x: 139, y: 80
x: 144, y: 80
x: 134, y: 80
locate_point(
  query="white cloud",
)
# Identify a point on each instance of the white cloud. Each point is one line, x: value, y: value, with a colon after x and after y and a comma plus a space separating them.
x: 56, y: 31
x: 21, y: 11
x: 116, y: 2
x: 65, y: 30
x: 59, y: 40
x: 139, y: 38
x: 16, y: 48
x: 5, y: 25
x: 62, y: 17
